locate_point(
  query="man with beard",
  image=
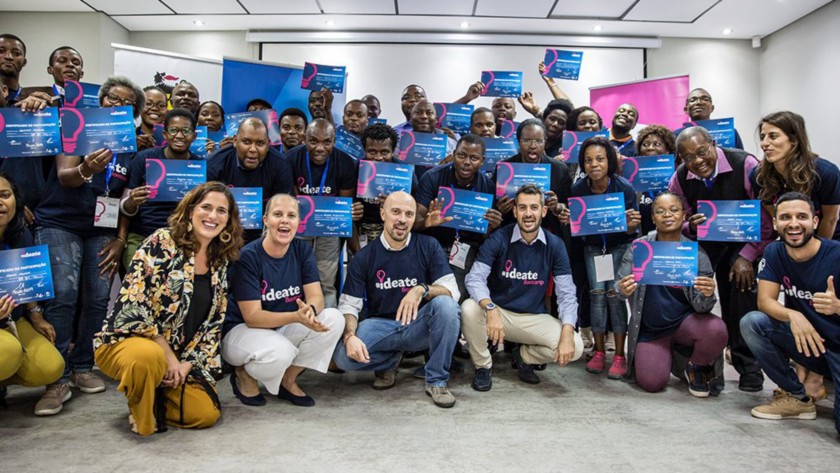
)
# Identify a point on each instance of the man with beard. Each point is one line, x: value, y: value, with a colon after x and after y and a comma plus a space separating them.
x: 806, y: 329
x: 405, y: 284
x: 699, y: 106
x: 623, y: 122
x: 355, y: 118
x: 12, y: 61
x: 185, y: 95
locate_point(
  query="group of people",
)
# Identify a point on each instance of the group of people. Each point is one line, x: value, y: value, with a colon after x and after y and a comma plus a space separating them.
x: 197, y: 289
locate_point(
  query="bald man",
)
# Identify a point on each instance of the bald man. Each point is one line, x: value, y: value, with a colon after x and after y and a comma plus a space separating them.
x: 404, y: 282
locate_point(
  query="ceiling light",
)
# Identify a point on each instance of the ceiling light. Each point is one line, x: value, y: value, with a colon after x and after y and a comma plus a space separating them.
x: 727, y: 31
x: 465, y: 25
x: 198, y: 23
x: 330, y: 23
x: 598, y: 28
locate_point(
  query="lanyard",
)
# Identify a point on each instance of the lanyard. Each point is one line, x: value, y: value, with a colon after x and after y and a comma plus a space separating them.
x: 108, y: 172
x: 17, y: 93
x: 603, y: 236
x: 323, y: 176
x: 58, y: 92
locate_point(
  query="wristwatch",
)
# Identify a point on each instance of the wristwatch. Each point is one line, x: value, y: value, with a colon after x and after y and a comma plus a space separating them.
x: 37, y: 309
x: 425, y: 290
x: 490, y: 306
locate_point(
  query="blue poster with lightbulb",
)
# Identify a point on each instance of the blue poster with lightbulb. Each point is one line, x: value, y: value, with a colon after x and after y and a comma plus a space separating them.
x: 466, y: 208
x: 349, y: 143
x: 597, y: 214
x: 250, y: 203
x: 729, y: 220
x: 721, y: 129
x: 325, y: 216
x: 26, y: 275
x: 648, y: 173
x: 171, y: 179
x: 511, y: 176
x: 81, y: 94
x: 498, y: 149
x: 561, y: 64
x: 380, y: 178
x: 664, y: 263
x: 269, y: 117
x: 422, y: 149
x: 455, y: 116
x: 572, y: 140
x: 501, y: 83
x: 24, y: 134
x: 85, y: 130
x: 507, y: 129
x: 321, y: 76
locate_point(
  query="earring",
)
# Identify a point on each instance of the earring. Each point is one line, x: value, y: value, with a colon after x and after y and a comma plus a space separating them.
x: 225, y: 237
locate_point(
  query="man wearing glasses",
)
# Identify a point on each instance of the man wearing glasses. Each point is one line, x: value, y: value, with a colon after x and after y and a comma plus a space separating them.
x: 699, y: 106
x: 708, y: 172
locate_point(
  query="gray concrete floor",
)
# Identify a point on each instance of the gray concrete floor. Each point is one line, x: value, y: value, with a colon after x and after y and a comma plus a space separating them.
x: 572, y: 421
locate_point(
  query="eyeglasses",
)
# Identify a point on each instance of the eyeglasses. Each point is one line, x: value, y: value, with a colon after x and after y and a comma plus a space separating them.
x: 702, y: 153
x: 702, y: 98
x: 157, y: 105
x: 185, y: 131
x: 114, y: 98
x: 532, y: 141
x: 660, y: 211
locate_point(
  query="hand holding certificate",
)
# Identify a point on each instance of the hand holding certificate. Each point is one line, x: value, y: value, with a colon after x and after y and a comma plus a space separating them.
x: 597, y: 214
x: 170, y: 179
x: 381, y: 178
x: 729, y: 220
x: 466, y: 208
x: 561, y: 64
x: 325, y: 216
x: 26, y: 275
x: 25, y: 134
x: 501, y: 83
x: 648, y: 173
x: 85, y: 130
x: 664, y: 263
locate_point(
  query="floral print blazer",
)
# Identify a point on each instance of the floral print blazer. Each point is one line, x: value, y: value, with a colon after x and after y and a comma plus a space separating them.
x: 155, y: 298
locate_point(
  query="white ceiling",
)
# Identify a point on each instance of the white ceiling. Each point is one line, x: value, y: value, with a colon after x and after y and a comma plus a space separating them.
x: 671, y: 18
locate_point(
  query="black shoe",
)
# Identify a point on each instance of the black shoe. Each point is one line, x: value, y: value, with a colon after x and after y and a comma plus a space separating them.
x: 3, y: 393
x: 302, y: 401
x: 751, y: 382
x: 483, y: 379
x: 526, y: 371
x: 540, y: 367
x: 256, y: 401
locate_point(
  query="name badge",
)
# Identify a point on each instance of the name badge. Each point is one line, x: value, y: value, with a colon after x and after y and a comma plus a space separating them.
x: 458, y: 255
x: 107, y: 212
x: 363, y: 241
x: 604, y: 270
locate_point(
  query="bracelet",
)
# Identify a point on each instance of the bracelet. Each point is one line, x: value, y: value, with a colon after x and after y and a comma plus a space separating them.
x: 124, y: 211
x: 313, y: 310
x: 87, y: 179
x: 348, y: 337
x: 123, y: 241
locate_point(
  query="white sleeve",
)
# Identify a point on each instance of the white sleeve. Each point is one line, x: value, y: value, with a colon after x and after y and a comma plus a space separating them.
x: 350, y: 305
x: 450, y: 284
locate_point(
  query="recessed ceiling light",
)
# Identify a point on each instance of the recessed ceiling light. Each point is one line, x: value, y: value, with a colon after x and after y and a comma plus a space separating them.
x: 330, y: 23
x: 198, y: 23
x: 598, y: 28
x: 727, y: 31
x: 464, y: 24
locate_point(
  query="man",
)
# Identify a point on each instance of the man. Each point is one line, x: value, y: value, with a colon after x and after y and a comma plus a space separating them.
x: 372, y: 104
x: 321, y: 170
x: 65, y: 64
x: 424, y: 120
x: 699, y: 106
x: 320, y: 104
x: 806, y: 329
x: 711, y: 173
x: 12, y: 61
x: 355, y: 117
x: 507, y: 295
x: 504, y: 108
x: 258, y: 104
x: 185, y: 95
x: 252, y: 162
x: 482, y: 123
x: 414, y: 93
x: 624, y: 120
x: 293, y: 125
x: 409, y: 293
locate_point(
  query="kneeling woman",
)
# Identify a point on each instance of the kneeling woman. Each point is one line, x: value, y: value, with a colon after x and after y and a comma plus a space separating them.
x: 165, y: 328
x: 277, y: 325
x: 665, y: 316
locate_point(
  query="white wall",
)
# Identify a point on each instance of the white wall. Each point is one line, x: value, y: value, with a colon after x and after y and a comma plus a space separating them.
x: 799, y: 68
x: 206, y: 44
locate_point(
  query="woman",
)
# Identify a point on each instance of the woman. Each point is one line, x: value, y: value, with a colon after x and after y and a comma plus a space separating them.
x: 161, y: 340
x: 27, y: 354
x: 652, y: 140
x: 277, y: 326
x: 212, y: 115
x: 84, y: 248
x: 151, y: 115
x: 600, y: 163
x: 584, y: 119
x: 665, y: 317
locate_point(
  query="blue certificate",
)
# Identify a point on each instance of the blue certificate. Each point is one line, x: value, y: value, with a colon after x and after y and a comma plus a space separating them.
x: 325, y: 216
x: 455, y: 116
x: 511, y: 176
x: 507, y: 129
x: 349, y: 143
x: 216, y: 136
x: 269, y: 117
x: 561, y: 64
x: 374, y: 121
x: 648, y: 173
x: 729, y: 220
x: 25, y: 274
x: 81, y: 94
x: 377, y: 178
x: 199, y: 146
x: 572, y: 141
x: 171, y: 179
x: 320, y: 76
x: 85, y: 130
x: 501, y: 83
x: 497, y: 149
x: 597, y: 214
x: 664, y: 263
x: 29, y: 134
x: 467, y: 209
x: 422, y: 149
x: 250, y: 203
x: 721, y: 129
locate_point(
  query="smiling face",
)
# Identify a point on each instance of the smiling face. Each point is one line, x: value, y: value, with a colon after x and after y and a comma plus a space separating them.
x: 281, y: 221
x: 209, y: 217
x: 398, y: 214
x: 424, y: 117
x: 795, y: 223
x: 668, y: 213
x: 320, y: 139
x: 698, y: 105
x: 210, y: 115
x: 185, y: 95
x: 8, y: 204
x: 251, y: 143
x: 66, y: 64
x: 595, y: 163
x: 483, y: 124
x: 699, y: 155
x: 317, y: 104
x: 155, y: 108
x: 529, y: 212
x: 180, y: 134
x: 355, y: 117
x: 625, y: 117
x: 775, y: 143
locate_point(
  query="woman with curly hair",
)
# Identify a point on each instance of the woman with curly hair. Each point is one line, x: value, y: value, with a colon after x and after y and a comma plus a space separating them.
x: 652, y: 140
x: 161, y: 341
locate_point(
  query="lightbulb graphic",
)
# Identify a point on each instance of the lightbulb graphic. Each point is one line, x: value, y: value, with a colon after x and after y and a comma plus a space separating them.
x: 404, y: 152
x: 71, y: 87
x: 628, y: 159
x: 308, y: 204
x: 508, y: 128
x: 264, y: 286
x: 703, y: 228
x: 508, y: 266
x: 448, y: 201
x: 786, y: 280
x: 2, y: 122
x: 440, y: 110
x: 575, y: 222
x: 570, y: 141
x: 550, y: 63
x: 639, y: 271
x: 367, y: 171
x: 502, y: 182
x: 100, y: 209
x: 308, y: 78
x: 490, y: 77
x: 155, y: 186
x: 70, y: 131
x: 380, y: 275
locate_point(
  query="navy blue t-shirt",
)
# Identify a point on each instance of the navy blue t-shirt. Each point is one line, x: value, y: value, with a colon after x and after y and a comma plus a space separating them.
x: 444, y: 176
x: 664, y: 310
x: 152, y: 215
x: 617, y: 184
x: 341, y: 172
x: 277, y: 282
x: 30, y: 175
x: 519, y: 273
x: 800, y: 280
x: 625, y: 148
x: 383, y: 277
x: 72, y: 208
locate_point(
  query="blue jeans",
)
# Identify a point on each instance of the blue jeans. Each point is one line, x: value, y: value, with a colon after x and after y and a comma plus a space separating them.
x: 602, y: 294
x: 437, y: 328
x: 73, y: 259
x: 772, y: 343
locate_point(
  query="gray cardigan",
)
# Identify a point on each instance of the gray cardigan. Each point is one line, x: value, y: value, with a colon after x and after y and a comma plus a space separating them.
x: 698, y: 301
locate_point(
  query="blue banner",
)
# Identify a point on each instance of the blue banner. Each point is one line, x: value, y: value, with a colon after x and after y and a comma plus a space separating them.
x: 729, y: 220
x: 199, y: 146
x: 24, y: 134
x: 171, y: 179
x: 561, y: 64
x: 380, y: 178
x: 85, y: 130
x: 664, y: 263
x: 648, y: 173
x: 26, y: 275
x: 497, y: 149
x: 455, y: 116
x: 721, y: 129
x: 422, y: 149
x: 507, y: 129
x: 81, y: 94
x: 467, y: 209
x: 269, y: 117
x: 597, y: 214
x: 349, y: 143
x: 325, y: 216
x: 321, y: 76
x: 511, y: 176
x: 501, y: 83
x: 250, y: 203
x: 572, y: 141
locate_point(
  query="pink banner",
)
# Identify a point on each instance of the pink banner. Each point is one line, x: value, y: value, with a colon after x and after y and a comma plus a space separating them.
x: 659, y: 101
